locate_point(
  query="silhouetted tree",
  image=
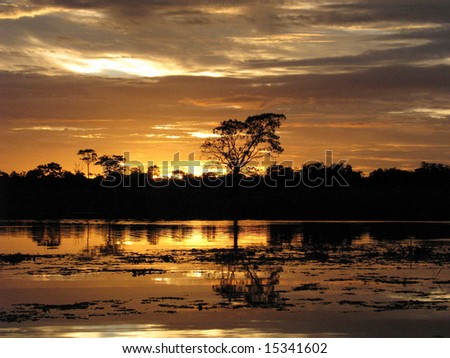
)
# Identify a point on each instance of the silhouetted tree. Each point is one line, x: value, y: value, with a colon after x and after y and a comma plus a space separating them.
x: 77, y: 169
x: 432, y: 167
x: 343, y: 171
x: 135, y: 171
x: 238, y: 143
x: 15, y: 174
x: 313, y: 173
x: 178, y: 174
x: 33, y: 174
x: 111, y: 164
x: 153, y: 172
x: 278, y: 170
x: 52, y: 170
x: 391, y: 176
x: 88, y: 156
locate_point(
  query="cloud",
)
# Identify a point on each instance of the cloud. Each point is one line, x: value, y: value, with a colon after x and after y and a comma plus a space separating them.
x: 376, y: 11
x: 203, y: 135
x: 50, y: 129
x: 264, y: 14
x: 436, y: 113
x: 89, y: 136
x: 202, y: 38
x: 436, y: 51
x: 113, y: 65
x: 182, y: 100
x: 166, y: 127
x: 15, y: 11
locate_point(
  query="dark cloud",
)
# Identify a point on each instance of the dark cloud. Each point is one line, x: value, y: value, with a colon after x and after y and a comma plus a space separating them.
x: 378, y: 82
x: 436, y: 50
x: 367, y: 11
x: 192, y: 34
x: 266, y: 14
x: 384, y: 88
x: 440, y: 34
x: 140, y: 8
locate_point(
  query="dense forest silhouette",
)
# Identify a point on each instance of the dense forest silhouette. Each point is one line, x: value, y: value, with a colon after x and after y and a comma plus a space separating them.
x: 316, y: 191
x: 280, y: 193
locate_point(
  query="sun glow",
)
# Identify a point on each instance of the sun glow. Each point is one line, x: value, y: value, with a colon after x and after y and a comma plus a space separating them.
x: 117, y: 65
x: 114, y: 66
x: 108, y: 64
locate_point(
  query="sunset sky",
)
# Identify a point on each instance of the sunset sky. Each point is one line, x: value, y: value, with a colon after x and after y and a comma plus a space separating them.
x: 367, y: 79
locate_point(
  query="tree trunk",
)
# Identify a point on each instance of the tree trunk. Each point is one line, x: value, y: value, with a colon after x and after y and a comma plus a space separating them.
x: 235, y: 235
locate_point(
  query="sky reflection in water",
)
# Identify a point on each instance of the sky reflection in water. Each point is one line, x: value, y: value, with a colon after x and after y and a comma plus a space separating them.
x: 187, y: 279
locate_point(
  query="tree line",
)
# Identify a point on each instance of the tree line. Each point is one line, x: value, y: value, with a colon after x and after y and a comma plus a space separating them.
x: 312, y: 174
x: 316, y: 191
x: 237, y: 145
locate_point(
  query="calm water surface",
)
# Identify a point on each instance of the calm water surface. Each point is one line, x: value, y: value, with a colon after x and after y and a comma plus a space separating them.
x: 223, y: 279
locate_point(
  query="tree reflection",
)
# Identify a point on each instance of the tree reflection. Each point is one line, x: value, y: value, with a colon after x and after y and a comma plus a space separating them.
x: 330, y: 233
x: 47, y: 235
x: 400, y: 231
x: 209, y: 232
x: 180, y: 233
x: 153, y: 234
x: 240, y: 283
x: 88, y: 253
x: 113, y: 240
x: 280, y: 235
x: 235, y: 235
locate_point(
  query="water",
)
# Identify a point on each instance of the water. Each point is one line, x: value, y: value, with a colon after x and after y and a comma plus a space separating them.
x: 223, y: 279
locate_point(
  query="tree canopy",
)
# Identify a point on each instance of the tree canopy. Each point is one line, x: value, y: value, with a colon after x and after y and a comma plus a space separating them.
x: 111, y: 164
x: 51, y: 170
x: 88, y: 156
x: 238, y: 143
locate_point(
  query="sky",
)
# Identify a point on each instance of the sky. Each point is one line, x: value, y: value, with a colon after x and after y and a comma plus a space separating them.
x: 367, y: 79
